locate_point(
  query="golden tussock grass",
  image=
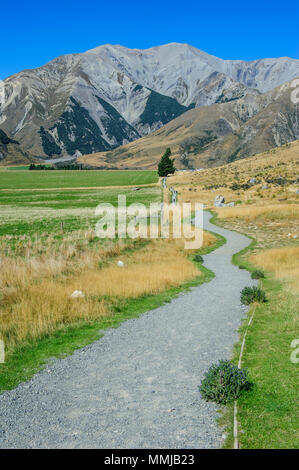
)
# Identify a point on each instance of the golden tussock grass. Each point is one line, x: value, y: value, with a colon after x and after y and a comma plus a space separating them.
x: 155, y: 268
x: 267, y: 168
x: 267, y: 212
x: 283, y: 262
x: 42, y: 308
x: 35, y: 288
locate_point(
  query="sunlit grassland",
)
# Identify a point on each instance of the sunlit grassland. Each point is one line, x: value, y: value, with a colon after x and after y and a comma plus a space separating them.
x: 275, y: 171
x: 74, y: 179
x: 268, y: 211
x: 283, y: 262
x: 268, y: 414
x: 38, y: 314
x: 32, y: 212
x: 49, y: 248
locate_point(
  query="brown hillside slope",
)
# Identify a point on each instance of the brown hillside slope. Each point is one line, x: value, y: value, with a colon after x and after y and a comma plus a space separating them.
x: 11, y: 153
x: 276, y: 172
x: 213, y: 135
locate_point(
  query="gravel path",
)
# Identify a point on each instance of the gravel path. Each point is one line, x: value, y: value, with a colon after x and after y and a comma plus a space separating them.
x: 137, y: 387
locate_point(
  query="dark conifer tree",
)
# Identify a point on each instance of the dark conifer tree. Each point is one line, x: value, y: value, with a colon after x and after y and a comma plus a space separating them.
x: 166, y: 166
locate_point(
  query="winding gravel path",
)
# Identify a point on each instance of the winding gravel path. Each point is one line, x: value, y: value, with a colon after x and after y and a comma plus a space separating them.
x: 137, y: 387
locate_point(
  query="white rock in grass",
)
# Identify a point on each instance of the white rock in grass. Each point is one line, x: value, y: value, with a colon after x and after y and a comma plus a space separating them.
x: 120, y: 264
x: 77, y: 294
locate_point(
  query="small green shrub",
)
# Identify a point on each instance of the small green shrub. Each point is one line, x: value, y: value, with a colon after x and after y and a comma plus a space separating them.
x: 198, y: 258
x: 224, y: 382
x: 241, y: 266
x: 252, y: 294
x: 257, y: 274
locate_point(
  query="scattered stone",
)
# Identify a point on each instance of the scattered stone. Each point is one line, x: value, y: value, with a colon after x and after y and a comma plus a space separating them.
x: 253, y: 181
x: 136, y: 189
x: 77, y: 294
x: 219, y: 201
x: 265, y: 186
x: 297, y: 191
x: 120, y: 264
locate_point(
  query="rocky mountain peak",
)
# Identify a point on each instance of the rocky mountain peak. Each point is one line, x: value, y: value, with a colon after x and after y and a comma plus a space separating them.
x: 111, y: 95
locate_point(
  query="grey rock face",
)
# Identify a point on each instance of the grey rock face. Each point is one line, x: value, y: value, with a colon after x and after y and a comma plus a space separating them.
x: 219, y: 201
x: 111, y: 95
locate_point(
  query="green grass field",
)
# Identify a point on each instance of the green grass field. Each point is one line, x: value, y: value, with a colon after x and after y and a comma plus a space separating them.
x: 74, y: 199
x: 33, y: 212
x: 16, y: 168
x: 36, y: 211
x: 73, y: 179
x: 268, y: 414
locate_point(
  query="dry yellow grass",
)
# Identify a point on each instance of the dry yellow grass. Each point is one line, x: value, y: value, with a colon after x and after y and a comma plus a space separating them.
x: 34, y: 291
x: 160, y: 265
x: 260, y: 213
x: 36, y: 286
x: 42, y: 308
x: 203, y: 186
x: 267, y: 212
x: 283, y: 262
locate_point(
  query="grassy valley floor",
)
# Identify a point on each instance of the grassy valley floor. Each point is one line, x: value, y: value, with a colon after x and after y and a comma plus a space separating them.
x: 49, y: 249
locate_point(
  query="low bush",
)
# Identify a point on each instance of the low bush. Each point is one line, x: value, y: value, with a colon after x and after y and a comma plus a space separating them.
x: 257, y: 274
x: 224, y: 382
x: 198, y: 258
x: 252, y: 294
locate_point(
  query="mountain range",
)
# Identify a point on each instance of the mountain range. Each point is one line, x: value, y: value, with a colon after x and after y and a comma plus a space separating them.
x: 110, y: 96
x: 213, y: 135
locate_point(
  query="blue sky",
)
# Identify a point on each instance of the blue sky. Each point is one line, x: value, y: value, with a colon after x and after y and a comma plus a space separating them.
x: 32, y: 33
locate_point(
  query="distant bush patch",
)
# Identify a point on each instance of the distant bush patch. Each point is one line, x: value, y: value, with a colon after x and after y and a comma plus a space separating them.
x: 242, y: 266
x: 224, y: 382
x: 252, y: 294
x: 198, y: 258
x: 257, y: 274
